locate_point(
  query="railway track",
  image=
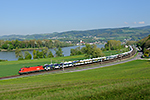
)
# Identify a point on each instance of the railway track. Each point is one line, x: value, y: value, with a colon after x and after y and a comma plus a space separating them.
x: 71, y: 68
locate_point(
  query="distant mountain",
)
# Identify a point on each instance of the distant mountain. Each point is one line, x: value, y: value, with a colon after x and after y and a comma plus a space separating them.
x: 122, y: 34
x: 144, y: 27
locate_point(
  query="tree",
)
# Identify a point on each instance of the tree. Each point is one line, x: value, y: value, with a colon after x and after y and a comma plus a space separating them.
x: 131, y: 42
x: 72, y: 52
x: 4, y: 46
x: 59, y: 52
x: 147, y: 53
x: 91, y: 51
x: 96, y: 52
x: 50, y: 44
x: 35, y: 54
x: 40, y: 54
x: 49, y: 54
x: 18, y: 54
x: 32, y: 42
x: 76, y: 51
x: 113, y: 45
x: 23, y: 45
x: 27, y: 55
x: 87, y: 50
x: 21, y: 57
x: 144, y: 43
x: 39, y: 43
x: 16, y: 44
x: 45, y: 51
x: 10, y: 47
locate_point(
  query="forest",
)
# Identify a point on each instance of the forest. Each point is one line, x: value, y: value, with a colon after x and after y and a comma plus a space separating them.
x: 90, y: 51
x: 44, y: 53
x: 144, y: 45
x: 122, y: 34
x: 10, y: 45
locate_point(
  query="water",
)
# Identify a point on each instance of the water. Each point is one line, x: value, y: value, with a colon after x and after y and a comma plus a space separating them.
x: 10, y: 55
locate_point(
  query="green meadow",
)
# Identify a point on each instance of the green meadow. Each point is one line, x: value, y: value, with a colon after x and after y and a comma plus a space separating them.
x: 113, y: 52
x: 127, y: 81
x: 9, y: 68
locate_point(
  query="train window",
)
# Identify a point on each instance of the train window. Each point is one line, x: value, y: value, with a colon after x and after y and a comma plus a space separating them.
x: 19, y: 69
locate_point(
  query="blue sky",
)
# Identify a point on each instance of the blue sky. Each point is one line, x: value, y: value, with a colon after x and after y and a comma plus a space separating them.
x: 47, y: 16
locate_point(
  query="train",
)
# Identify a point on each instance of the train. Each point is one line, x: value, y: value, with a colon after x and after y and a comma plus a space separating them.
x: 25, y: 70
x: 67, y: 64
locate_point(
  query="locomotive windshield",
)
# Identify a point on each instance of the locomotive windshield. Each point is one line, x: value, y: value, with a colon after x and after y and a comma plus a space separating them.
x: 20, y: 69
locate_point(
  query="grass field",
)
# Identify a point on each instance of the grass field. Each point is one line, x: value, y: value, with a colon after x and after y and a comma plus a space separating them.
x: 113, y: 52
x: 9, y: 68
x: 12, y: 67
x: 127, y: 81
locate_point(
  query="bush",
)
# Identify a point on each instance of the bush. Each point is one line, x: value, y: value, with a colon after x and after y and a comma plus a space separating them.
x: 146, y: 53
x: 20, y: 58
x: 27, y: 55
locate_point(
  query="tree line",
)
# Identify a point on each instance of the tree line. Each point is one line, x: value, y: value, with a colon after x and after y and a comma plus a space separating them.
x: 113, y: 45
x: 90, y: 51
x: 10, y: 45
x: 44, y: 53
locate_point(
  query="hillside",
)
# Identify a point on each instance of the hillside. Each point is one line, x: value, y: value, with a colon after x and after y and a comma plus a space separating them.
x: 127, y: 81
x: 122, y: 34
x: 145, y: 45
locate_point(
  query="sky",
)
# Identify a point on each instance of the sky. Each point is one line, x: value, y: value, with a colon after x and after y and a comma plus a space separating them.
x: 26, y: 17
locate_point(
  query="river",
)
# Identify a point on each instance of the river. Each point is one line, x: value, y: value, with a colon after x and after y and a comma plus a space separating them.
x: 10, y: 55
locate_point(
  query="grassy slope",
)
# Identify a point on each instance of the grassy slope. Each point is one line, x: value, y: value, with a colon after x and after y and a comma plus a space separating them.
x: 12, y: 67
x: 124, y: 81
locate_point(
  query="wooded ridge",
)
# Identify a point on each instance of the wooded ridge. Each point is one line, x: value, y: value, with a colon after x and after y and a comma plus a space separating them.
x: 122, y: 34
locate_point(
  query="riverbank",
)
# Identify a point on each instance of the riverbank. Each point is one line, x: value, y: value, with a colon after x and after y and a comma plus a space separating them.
x: 25, y: 49
x: 2, y: 60
x: 10, y: 55
x: 12, y: 67
x: 22, y: 49
x: 31, y: 49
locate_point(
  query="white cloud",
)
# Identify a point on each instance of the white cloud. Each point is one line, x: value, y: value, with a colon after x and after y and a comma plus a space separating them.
x: 141, y: 22
x: 125, y: 22
x: 134, y: 22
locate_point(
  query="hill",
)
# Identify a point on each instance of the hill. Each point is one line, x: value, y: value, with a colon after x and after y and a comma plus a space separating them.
x: 122, y: 34
x: 145, y: 42
x: 127, y: 81
x: 145, y: 45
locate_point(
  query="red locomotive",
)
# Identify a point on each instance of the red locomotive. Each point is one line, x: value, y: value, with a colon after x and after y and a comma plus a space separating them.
x: 30, y: 69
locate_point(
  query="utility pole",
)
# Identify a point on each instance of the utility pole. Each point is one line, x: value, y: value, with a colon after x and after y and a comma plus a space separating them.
x: 121, y: 57
x: 109, y: 46
x: 63, y: 65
